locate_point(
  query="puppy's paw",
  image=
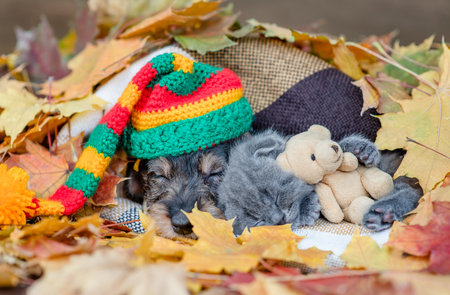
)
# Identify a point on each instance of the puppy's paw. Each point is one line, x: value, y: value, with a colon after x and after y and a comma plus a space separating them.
x: 381, y: 215
x: 365, y: 150
x: 309, y: 210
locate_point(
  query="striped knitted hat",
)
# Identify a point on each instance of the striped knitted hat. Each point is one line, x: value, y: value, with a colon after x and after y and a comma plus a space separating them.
x: 176, y: 106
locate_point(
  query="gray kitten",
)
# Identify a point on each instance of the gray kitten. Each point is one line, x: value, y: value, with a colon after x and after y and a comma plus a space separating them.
x: 257, y: 192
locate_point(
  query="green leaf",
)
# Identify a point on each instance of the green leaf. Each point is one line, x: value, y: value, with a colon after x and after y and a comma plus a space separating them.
x: 204, y: 44
x: 272, y: 30
x: 428, y: 58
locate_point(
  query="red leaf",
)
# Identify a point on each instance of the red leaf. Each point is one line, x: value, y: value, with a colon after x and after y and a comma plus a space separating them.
x: 38, y: 49
x: 106, y: 191
x: 431, y: 239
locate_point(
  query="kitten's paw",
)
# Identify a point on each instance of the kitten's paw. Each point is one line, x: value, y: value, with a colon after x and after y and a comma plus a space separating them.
x: 309, y: 210
x: 380, y: 216
x: 365, y: 150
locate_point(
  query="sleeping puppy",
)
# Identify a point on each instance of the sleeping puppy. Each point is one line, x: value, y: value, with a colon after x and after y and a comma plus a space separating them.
x: 169, y: 186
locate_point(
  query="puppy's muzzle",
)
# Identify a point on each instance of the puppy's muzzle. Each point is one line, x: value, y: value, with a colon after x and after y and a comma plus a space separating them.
x: 181, y: 224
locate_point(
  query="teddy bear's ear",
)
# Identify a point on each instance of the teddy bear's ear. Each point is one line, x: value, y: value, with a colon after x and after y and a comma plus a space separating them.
x: 283, y: 162
x: 320, y: 130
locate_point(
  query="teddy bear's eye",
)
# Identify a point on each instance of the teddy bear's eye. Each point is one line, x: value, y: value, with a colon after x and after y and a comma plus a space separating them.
x: 313, y: 157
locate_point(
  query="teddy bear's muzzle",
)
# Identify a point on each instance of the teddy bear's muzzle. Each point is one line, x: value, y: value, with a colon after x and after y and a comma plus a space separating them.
x: 329, y: 155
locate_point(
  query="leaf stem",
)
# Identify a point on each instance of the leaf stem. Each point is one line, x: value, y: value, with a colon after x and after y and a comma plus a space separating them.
x: 427, y: 147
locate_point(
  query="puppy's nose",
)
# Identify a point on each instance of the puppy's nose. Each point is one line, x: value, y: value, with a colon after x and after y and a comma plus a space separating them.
x: 181, y: 224
x: 335, y: 148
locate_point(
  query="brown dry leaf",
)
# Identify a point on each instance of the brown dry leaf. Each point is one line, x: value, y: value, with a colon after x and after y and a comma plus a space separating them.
x: 106, y: 191
x: 8, y: 276
x: 72, y: 149
x: 92, y: 65
x: 364, y: 252
x: 56, y: 226
x: 381, y: 93
x: 47, y: 172
x: 425, y: 119
x: 44, y: 248
x: 217, y: 248
x: 109, y: 271
x: 157, y: 26
x: 345, y: 60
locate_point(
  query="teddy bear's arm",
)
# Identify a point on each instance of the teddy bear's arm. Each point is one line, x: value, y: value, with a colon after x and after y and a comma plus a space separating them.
x: 330, y: 208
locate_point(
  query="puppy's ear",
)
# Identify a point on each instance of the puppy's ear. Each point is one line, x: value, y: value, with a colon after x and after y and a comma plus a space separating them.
x: 133, y: 187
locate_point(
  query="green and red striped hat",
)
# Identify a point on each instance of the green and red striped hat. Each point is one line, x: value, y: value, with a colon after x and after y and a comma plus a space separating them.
x: 175, y: 106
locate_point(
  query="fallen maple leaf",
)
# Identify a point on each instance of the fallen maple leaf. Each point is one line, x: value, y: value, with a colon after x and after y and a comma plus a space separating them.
x: 272, y: 30
x: 47, y: 172
x: 425, y: 120
x: 157, y: 26
x: 421, y: 283
x: 263, y: 284
x: 204, y: 44
x: 21, y: 106
x: 431, y: 239
x: 347, y: 282
x: 364, y: 252
x: 345, y: 60
x: 424, y: 211
x: 217, y: 248
x: 92, y: 65
x: 418, y: 58
x: 44, y: 248
x: 381, y: 93
x: 38, y: 49
x: 71, y: 150
x: 106, y: 191
x: 109, y: 271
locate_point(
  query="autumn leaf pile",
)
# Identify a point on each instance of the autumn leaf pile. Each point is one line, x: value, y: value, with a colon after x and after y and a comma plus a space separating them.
x: 45, y: 81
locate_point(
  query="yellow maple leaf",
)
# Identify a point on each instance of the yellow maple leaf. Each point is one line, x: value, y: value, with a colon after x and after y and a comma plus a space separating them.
x: 346, y: 61
x: 218, y: 249
x: 364, y: 252
x: 426, y: 120
x: 92, y: 65
x: 20, y: 106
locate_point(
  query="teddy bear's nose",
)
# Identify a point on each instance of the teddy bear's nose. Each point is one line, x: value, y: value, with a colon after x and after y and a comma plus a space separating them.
x: 335, y: 148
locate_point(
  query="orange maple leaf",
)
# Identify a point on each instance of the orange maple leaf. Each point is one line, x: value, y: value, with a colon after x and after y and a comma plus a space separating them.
x: 47, y: 172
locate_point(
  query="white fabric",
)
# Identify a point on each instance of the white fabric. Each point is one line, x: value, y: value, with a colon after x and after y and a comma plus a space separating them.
x: 109, y: 92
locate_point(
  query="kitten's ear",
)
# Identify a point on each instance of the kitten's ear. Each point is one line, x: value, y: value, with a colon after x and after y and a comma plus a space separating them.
x: 267, y: 147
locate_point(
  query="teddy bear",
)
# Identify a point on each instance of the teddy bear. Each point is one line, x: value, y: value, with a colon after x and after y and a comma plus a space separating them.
x: 345, y: 189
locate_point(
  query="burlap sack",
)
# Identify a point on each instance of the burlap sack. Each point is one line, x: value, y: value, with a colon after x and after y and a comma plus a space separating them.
x: 290, y: 89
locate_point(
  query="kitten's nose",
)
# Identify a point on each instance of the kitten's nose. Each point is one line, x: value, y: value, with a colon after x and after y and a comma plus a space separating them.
x: 335, y: 148
x: 181, y: 224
